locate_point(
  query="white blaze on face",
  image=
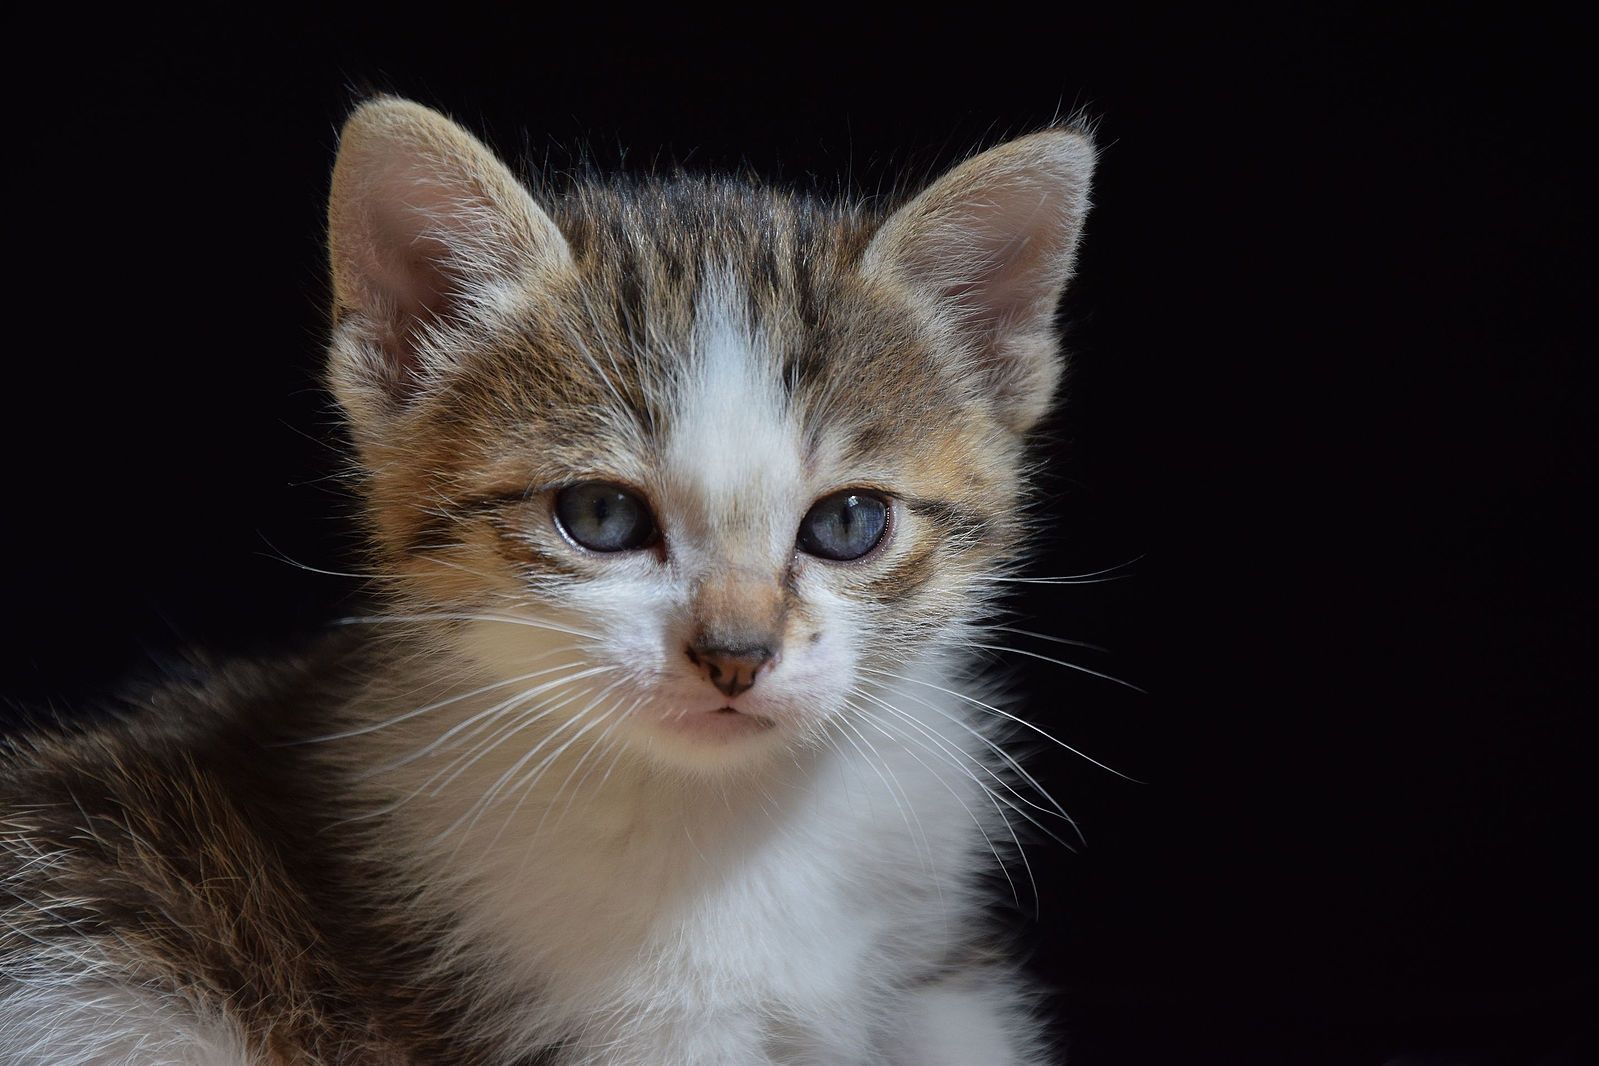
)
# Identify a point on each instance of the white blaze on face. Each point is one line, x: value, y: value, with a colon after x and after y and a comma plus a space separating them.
x: 733, y: 458
x: 731, y: 488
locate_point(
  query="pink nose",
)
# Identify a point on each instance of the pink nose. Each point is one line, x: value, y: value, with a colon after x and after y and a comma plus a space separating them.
x: 732, y: 670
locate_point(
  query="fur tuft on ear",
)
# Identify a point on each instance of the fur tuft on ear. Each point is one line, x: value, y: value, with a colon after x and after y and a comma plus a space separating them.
x: 991, y: 245
x: 426, y: 228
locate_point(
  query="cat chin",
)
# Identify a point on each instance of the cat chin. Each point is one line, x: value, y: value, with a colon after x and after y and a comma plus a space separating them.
x: 719, y: 726
x: 712, y: 740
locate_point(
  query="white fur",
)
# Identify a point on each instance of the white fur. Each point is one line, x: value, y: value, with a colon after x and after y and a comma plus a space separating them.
x: 652, y: 907
x: 971, y: 1019
x: 659, y: 902
x: 734, y: 455
x: 87, y: 1023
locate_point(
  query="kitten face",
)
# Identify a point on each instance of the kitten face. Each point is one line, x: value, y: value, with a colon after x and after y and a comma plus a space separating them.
x: 712, y: 422
x: 724, y: 356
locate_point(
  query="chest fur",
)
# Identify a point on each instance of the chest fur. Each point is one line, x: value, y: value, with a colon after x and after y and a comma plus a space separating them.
x: 798, y: 892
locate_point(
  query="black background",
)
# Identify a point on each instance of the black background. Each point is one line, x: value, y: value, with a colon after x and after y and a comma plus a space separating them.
x: 1331, y: 390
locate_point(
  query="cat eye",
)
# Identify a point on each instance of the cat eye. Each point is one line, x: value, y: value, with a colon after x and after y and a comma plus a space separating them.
x: 845, y: 525
x: 604, y: 518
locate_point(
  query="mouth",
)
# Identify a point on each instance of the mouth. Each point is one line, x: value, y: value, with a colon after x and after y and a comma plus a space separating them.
x: 719, y: 724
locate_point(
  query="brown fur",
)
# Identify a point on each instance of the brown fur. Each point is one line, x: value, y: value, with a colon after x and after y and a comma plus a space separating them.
x: 188, y: 853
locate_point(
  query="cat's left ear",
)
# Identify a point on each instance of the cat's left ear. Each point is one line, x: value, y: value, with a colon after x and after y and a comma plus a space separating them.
x: 991, y: 244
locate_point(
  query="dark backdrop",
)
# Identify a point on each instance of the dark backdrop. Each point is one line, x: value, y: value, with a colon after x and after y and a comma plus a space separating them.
x: 1330, y: 391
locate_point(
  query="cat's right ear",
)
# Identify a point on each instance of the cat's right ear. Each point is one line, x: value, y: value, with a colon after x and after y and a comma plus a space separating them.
x: 426, y: 229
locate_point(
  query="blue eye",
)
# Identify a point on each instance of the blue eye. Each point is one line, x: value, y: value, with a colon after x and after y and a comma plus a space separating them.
x: 845, y: 525
x: 604, y: 518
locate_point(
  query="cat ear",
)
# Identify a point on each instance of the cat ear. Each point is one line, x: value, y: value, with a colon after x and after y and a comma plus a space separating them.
x: 991, y: 245
x: 426, y: 228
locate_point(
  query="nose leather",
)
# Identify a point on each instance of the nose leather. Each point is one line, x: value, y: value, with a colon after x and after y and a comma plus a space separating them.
x: 731, y: 670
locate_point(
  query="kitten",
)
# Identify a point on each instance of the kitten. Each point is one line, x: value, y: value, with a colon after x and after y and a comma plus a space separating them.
x: 686, y: 498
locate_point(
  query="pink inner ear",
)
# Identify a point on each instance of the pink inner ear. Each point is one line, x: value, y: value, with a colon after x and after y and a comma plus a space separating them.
x: 415, y: 289
x: 1009, y: 254
x: 1001, y: 297
x: 992, y: 241
x: 423, y: 219
x: 404, y: 246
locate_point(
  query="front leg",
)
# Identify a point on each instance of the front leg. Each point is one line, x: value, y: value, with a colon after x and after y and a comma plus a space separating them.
x: 980, y: 1016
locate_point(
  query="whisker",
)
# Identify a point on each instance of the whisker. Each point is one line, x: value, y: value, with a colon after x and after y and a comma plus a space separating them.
x: 897, y: 793
x: 1003, y: 714
x: 602, y: 740
x: 1060, y: 662
x: 524, y: 719
x: 491, y: 712
x: 1092, y: 577
x: 1057, y: 811
x: 428, y: 709
x: 1046, y: 636
x: 472, y: 755
x: 593, y: 746
x: 978, y: 822
x: 517, y: 620
x: 471, y: 815
x: 957, y: 755
x: 529, y: 782
x: 487, y: 800
x: 993, y: 746
x: 924, y: 845
x: 1000, y: 803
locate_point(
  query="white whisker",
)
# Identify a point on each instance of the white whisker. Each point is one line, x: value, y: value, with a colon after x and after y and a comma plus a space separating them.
x: 1092, y: 577
x: 1046, y: 636
x: 907, y: 811
x: 491, y: 712
x: 1060, y: 662
x: 955, y: 750
x: 1003, y: 714
x: 417, y: 712
x: 978, y: 822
